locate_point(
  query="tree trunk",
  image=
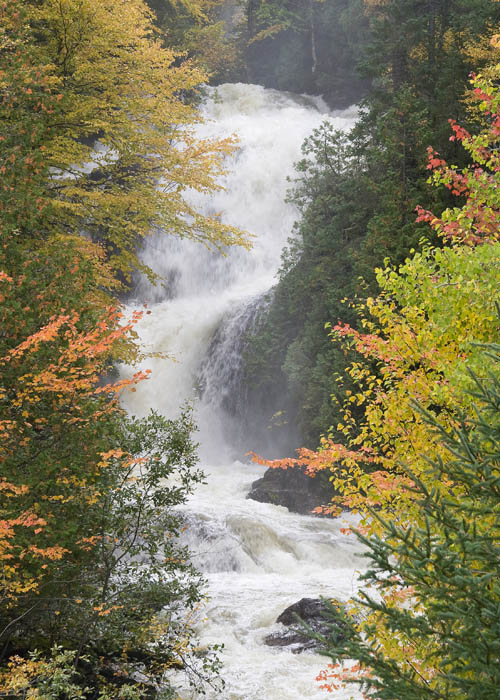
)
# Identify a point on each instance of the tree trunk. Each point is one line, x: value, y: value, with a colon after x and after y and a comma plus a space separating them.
x: 314, y: 55
x: 251, y: 15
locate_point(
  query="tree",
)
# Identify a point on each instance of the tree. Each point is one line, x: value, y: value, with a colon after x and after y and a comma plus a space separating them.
x: 199, y: 30
x: 122, y: 152
x: 352, y: 223
x: 422, y: 463
x: 89, y: 537
x: 419, y: 336
x: 479, y: 218
x: 307, y: 46
x: 291, y: 343
x: 433, y: 585
x: 418, y: 342
x: 93, y: 575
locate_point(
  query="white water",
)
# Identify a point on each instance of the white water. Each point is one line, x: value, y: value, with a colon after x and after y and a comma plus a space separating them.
x: 258, y: 558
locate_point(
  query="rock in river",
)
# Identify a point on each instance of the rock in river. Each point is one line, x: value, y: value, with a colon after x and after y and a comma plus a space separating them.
x: 312, y: 611
x: 293, y: 489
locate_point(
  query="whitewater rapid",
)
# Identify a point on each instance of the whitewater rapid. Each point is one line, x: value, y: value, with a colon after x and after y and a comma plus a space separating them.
x: 257, y: 558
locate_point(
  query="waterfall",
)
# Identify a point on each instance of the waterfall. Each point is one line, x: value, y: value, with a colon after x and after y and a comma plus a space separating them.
x: 258, y: 558
x: 222, y: 382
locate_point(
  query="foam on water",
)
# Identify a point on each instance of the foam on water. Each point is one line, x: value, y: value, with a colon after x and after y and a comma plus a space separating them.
x: 258, y: 558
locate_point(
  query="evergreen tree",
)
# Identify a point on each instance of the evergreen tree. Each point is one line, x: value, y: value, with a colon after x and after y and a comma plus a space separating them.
x: 434, y: 587
x: 357, y: 197
x: 306, y: 46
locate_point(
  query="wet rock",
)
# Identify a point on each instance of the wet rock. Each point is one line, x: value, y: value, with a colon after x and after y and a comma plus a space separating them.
x: 295, y: 640
x: 293, y: 489
x: 308, y: 609
x: 312, y: 611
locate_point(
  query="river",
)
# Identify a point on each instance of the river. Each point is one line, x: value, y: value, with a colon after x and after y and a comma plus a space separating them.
x: 257, y: 558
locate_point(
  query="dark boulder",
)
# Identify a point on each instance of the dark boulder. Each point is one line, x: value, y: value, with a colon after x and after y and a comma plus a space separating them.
x: 308, y: 609
x: 293, y: 489
x: 314, y: 613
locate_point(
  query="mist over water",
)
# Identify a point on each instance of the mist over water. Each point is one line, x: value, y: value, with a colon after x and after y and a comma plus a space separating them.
x: 258, y: 558
x: 202, y: 287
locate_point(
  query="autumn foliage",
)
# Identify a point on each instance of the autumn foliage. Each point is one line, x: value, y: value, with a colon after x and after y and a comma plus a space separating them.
x: 421, y: 464
x: 420, y: 337
x: 478, y: 220
x: 94, y: 582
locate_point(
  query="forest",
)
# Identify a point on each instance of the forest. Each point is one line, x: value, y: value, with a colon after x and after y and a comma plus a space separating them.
x: 375, y: 352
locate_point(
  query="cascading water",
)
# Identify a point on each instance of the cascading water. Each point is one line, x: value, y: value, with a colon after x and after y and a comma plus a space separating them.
x: 221, y: 378
x: 258, y: 558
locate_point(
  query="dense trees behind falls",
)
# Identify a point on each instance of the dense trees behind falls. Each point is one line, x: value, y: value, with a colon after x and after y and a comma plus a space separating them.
x: 379, y: 342
x: 357, y: 196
